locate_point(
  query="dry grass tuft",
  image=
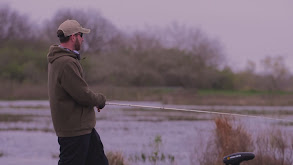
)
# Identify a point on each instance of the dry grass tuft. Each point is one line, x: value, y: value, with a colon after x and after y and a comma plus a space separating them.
x: 228, y: 138
x: 273, y: 148
x: 231, y: 138
x: 116, y: 158
x: 270, y: 148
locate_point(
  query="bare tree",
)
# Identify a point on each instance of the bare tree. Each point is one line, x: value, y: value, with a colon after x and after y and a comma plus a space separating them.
x: 276, y: 73
x: 247, y: 79
x: 206, y: 53
x: 103, y: 33
x: 195, y: 42
x: 14, y: 26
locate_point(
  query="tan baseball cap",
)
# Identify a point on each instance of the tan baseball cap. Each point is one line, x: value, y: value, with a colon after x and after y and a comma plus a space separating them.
x: 70, y: 27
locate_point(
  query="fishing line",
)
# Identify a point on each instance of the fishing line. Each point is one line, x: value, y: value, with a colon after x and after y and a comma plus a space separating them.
x: 198, y: 111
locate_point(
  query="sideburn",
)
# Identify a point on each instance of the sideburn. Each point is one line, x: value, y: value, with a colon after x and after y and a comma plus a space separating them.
x: 77, y: 45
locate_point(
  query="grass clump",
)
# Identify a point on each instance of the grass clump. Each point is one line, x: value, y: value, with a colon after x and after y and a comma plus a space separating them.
x: 274, y: 148
x: 116, y: 158
x: 226, y: 139
x: 156, y: 156
x: 270, y: 148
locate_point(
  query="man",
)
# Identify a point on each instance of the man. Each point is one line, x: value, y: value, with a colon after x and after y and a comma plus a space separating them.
x: 72, y: 102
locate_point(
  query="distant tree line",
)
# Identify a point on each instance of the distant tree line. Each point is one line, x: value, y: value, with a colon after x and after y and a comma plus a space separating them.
x: 176, y: 56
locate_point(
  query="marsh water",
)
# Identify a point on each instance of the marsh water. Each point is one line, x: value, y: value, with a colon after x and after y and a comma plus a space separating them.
x: 27, y: 136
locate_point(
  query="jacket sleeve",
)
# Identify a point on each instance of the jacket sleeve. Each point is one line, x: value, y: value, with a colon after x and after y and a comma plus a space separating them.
x: 74, y: 84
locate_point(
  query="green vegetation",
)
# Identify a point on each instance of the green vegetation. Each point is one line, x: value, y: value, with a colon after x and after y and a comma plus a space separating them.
x: 290, y: 124
x: 162, y: 115
x: 156, y: 155
x: 242, y: 92
x: 28, y: 129
x: 167, y: 95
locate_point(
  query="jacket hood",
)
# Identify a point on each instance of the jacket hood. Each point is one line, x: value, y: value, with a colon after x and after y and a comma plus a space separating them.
x: 56, y: 52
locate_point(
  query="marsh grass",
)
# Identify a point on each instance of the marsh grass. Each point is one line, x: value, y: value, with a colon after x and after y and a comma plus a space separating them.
x: 11, y: 90
x: 272, y: 147
x: 35, y: 107
x: 16, y: 118
x: 227, y: 139
x: 28, y: 129
x: 242, y: 92
x: 286, y: 123
x: 23, y: 118
x: 256, y: 112
x: 116, y: 158
x: 163, y: 115
x: 170, y: 115
x: 155, y: 156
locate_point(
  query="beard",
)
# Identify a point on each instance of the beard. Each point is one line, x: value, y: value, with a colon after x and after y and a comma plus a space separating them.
x: 77, y: 45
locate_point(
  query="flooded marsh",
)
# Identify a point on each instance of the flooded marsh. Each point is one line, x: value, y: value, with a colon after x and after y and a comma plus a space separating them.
x: 27, y: 135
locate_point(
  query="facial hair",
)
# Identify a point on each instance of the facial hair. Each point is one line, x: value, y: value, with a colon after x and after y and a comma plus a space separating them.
x: 77, y: 45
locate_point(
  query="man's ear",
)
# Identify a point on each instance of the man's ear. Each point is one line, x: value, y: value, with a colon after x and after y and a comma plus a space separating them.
x: 72, y: 37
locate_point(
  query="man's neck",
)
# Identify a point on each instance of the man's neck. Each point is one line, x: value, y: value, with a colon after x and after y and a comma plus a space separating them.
x: 74, y: 51
x: 67, y: 46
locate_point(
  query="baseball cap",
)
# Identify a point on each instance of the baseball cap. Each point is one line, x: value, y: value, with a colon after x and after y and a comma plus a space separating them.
x: 70, y: 27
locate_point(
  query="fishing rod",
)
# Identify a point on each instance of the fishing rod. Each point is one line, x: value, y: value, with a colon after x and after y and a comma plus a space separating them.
x: 198, y: 111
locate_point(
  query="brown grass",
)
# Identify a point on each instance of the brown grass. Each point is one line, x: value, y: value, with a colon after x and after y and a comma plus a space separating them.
x: 270, y: 148
x: 22, y: 91
x: 116, y: 158
x: 227, y: 139
x: 273, y: 148
x: 231, y: 139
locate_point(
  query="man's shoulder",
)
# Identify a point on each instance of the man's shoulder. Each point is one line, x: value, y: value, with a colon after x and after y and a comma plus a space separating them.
x: 66, y: 59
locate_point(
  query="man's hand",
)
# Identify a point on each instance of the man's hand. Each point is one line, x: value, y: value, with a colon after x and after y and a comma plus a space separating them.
x: 102, y: 102
x: 99, y: 110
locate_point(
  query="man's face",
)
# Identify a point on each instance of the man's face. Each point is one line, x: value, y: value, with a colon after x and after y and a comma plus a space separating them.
x: 78, y: 42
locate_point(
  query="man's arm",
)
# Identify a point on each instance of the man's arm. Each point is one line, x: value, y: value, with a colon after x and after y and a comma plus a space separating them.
x: 77, y: 88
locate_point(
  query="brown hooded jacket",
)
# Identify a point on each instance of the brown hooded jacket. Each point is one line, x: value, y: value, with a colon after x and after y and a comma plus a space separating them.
x: 71, y: 101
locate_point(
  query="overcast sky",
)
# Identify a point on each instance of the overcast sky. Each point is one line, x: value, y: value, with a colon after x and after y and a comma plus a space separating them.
x: 247, y: 29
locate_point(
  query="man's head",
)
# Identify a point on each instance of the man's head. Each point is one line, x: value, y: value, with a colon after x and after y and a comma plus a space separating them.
x: 70, y: 32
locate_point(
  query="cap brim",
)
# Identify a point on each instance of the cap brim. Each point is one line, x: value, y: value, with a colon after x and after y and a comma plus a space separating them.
x: 84, y: 30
